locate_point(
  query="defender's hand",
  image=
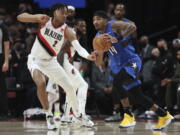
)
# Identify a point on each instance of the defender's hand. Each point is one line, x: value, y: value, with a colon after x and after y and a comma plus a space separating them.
x: 92, y: 57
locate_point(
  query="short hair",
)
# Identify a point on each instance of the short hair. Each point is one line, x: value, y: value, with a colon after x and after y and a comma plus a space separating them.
x: 121, y: 4
x: 57, y: 6
x: 101, y: 13
x: 79, y: 20
x: 71, y: 8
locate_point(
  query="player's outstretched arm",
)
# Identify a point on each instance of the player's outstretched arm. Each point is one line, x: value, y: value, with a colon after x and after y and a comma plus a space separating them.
x: 123, y: 28
x: 71, y: 36
x: 36, y: 18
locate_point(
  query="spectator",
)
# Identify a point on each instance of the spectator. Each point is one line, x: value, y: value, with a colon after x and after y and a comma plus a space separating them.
x: 175, y: 45
x: 162, y: 68
x: 103, y: 89
x: 173, y: 87
x: 71, y: 16
x: 146, y: 58
x: 80, y: 27
x: 4, y: 62
x: 18, y: 61
x: 110, y: 10
x: 30, y: 38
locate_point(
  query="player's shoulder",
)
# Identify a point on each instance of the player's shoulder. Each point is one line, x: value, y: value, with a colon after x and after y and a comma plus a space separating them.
x: 128, y: 20
x: 111, y: 21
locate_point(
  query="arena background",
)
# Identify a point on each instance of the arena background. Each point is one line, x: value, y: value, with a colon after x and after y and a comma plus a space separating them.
x: 156, y: 18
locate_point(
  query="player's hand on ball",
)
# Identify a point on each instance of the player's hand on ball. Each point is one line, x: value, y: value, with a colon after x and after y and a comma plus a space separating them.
x: 102, y: 42
x: 41, y: 18
x: 107, y: 38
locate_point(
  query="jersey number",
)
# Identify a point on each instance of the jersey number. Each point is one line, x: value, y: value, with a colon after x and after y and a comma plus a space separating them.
x: 55, y: 42
x: 113, y: 50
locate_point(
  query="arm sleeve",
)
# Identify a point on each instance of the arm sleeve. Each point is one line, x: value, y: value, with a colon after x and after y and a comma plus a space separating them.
x: 81, y: 51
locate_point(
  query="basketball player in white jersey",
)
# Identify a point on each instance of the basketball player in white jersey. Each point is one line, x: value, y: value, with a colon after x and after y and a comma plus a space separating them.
x: 42, y: 60
x: 67, y: 52
x: 79, y: 83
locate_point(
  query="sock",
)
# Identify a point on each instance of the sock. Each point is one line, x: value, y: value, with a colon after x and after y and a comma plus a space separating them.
x: 56, y: 107
x: 161, y: 112
x: 67, y: 109
x: 51, y: 101
x: 128, y: 110
x: 116, y: 110
x: 121, y: 110
x: 82, y: 106
x: 82, y: 97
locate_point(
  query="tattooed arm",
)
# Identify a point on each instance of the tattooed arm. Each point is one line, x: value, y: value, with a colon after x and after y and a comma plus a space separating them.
x: 123, y: 28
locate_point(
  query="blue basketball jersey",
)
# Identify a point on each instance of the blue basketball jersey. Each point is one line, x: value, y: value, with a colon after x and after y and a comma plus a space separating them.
x: 122, y: 57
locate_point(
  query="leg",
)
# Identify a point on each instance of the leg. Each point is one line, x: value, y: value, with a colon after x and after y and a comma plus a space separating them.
x: 164, y: 117
x: 40, y: 81
x: 117, y: 110
x: 82, y: 96
x: 57, y: 74
x: 128, y: 119
x: 53, y: 93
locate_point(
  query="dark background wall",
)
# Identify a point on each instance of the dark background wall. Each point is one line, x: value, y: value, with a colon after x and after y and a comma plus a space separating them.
x: 150, y: 16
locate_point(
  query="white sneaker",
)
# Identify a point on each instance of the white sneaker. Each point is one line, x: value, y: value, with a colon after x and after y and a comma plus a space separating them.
x: 85, y: 121
x: 65, y: 119
x: 50, y: 123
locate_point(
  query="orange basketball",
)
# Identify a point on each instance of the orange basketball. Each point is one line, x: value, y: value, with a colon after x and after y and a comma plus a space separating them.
x: 101, y: 44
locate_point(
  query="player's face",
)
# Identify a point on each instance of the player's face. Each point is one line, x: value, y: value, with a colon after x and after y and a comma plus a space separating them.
x: 119, y: 11
x: 82, y: 26
x: 71, y: 12
x: 60, y: 15
x: 99, y: 23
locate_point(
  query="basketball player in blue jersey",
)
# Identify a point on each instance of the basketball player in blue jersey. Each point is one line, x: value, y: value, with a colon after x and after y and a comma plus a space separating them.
x: 119, y: 13
x: 125, y: 65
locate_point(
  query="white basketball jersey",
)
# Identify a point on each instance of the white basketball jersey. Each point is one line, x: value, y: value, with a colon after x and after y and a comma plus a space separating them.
x: 49, y: 41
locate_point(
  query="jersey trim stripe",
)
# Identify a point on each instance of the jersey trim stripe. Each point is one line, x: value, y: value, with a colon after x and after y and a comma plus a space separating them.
x: 45, y: 45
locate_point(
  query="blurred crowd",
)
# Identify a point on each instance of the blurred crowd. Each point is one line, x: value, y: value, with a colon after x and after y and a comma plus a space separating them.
x: 160, y: 73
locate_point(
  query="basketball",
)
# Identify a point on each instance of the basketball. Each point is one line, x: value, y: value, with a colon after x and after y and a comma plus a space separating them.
x: 101, y: 43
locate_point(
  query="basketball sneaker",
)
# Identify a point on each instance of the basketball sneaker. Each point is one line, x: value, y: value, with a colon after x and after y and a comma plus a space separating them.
x: 50, y: 122
x: 57, y: 116
x: 84, y: 121
x: 163, y: 121
x: 128, y: 121
x: 114, y: 118
x: 65, y: 119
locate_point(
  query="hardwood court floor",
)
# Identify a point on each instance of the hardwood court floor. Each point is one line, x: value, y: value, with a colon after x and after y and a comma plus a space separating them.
x: 102, y: 128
